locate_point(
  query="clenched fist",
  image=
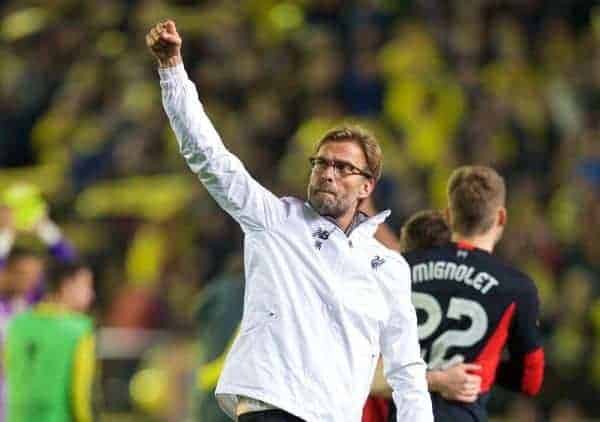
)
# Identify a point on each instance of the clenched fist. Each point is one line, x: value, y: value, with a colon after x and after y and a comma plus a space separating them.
x: 165, y: 43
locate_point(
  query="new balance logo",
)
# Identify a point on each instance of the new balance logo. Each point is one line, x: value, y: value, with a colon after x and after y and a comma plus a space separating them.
x: 377, y: 262
x: 321, y: 234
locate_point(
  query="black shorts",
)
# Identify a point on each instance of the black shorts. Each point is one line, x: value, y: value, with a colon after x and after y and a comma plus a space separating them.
x: 453, y: 411
x: 275, y: 415
x: 450, y: 411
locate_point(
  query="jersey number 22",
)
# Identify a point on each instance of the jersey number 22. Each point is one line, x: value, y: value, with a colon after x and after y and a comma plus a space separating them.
x: 458, y: 308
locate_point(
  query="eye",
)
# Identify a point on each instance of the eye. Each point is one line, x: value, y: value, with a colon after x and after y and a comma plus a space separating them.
x: 320, y: 163
x: 343, y: 168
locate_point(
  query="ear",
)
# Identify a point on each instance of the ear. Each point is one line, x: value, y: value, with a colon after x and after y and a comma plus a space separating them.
x: 366, y: 189
x: 502, y: 216
x: 447, y: 215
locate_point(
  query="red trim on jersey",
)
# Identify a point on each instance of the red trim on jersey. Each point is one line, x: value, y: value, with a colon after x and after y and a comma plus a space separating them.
x: 463, y: 244
x: 490, y: 355
x: 376, y: 409
x: 533, y: 372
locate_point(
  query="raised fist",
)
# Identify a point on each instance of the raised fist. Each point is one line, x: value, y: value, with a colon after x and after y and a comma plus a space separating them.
x: 165, y: 43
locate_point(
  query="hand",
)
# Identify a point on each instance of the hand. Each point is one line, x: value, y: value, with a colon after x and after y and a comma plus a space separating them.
x: 7, y: 221
x: 457, y: 383
x: 48, y: 231
x: 165, y: 43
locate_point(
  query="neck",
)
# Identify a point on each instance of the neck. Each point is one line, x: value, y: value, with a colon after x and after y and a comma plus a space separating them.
x: 54, y: 299
x: 8, y: 293
x: 487, y: 241
x: 345, y: 221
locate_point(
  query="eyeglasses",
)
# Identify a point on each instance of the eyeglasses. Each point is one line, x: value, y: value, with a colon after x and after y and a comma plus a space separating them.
x: 340, y: 168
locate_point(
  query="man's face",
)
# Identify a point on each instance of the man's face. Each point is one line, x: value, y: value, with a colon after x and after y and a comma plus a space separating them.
x: 24, y: 274
x: 77, y: 292
x: 332, y: 192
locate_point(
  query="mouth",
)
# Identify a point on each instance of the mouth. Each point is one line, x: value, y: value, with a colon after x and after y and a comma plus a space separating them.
x: 325, y: 192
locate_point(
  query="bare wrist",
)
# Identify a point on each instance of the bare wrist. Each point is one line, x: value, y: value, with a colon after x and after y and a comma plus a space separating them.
x: 170, y: 62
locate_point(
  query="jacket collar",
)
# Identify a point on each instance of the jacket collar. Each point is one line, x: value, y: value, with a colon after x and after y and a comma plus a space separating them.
x: 361, y: 223
x: 369, y: 226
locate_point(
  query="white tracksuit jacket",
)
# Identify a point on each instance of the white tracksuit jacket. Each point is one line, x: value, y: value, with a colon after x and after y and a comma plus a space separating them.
x: 319, y: 306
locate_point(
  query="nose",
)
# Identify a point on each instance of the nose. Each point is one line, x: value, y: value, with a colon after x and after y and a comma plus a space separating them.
x: 328, y: 174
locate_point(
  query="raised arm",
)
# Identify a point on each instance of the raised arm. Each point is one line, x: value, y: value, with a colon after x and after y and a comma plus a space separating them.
x: 51, y: 234
x: 403, y: 367
x: 7, y: 233
x: 221, y: 172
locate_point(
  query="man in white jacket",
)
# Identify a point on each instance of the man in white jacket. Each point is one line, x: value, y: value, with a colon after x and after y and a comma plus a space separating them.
x: 323, y: 298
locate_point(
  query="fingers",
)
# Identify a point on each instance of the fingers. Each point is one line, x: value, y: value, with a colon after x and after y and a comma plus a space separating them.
x: 468, y: 395
x: 163, y: 33
x: 472, y: 387
x: 471, y: 367
x: 169, y: 38
x: 471, y: 384
x: 149, y: 41
x: 473, y: 379
x: 152, y: 37
x: 169, y: 25
x: 463, y: 395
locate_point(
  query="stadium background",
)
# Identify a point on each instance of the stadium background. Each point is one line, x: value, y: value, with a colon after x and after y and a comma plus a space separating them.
x: 514, y: 84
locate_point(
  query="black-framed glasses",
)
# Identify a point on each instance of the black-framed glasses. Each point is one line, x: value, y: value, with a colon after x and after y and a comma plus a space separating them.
x: 340, y: 168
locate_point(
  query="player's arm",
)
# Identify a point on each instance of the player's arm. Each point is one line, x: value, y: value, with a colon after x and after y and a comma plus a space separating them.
x: 221, y: 172
x: 59, y: 247
x: 458, y: 383
x: 50, y: 233
x: 84, y: 367
x: 402, y: 364
x: 524, y: 370
x: 7, y: 233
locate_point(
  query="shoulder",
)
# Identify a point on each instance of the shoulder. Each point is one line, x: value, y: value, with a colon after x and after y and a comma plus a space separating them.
x: 514, y: 283
x: 292, y: 205
x: 18, y: 320
x: 390, y: 265
x: 292, y: 201
x: 80, y: 323
x: 514, y: 278
x: 523, y: 284
x: 390, y: 255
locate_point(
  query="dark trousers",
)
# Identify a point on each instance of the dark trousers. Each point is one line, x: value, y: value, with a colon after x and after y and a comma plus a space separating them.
x: 274, y: 415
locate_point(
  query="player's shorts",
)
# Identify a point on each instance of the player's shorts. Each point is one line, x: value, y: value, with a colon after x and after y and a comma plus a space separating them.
x: 453, y: 411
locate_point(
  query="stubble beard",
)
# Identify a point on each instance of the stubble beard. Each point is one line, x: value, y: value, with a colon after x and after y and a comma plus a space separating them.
x: 330, y: 205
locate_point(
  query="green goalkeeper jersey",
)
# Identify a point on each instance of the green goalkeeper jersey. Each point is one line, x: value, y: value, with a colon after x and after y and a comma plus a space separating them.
x: 47, y: 350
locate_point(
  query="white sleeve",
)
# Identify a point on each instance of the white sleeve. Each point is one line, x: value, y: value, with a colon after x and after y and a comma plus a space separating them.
x: 403, y: 366
x: 221, y: 172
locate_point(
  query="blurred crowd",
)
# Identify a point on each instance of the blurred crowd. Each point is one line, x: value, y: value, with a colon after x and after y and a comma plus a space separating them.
x: 514, y: 84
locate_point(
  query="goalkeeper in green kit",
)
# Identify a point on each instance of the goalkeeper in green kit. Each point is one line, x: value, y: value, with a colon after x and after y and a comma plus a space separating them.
x: 49, y: 352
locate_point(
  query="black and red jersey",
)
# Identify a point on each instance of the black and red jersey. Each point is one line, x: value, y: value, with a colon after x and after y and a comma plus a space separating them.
x: 470, y: 307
